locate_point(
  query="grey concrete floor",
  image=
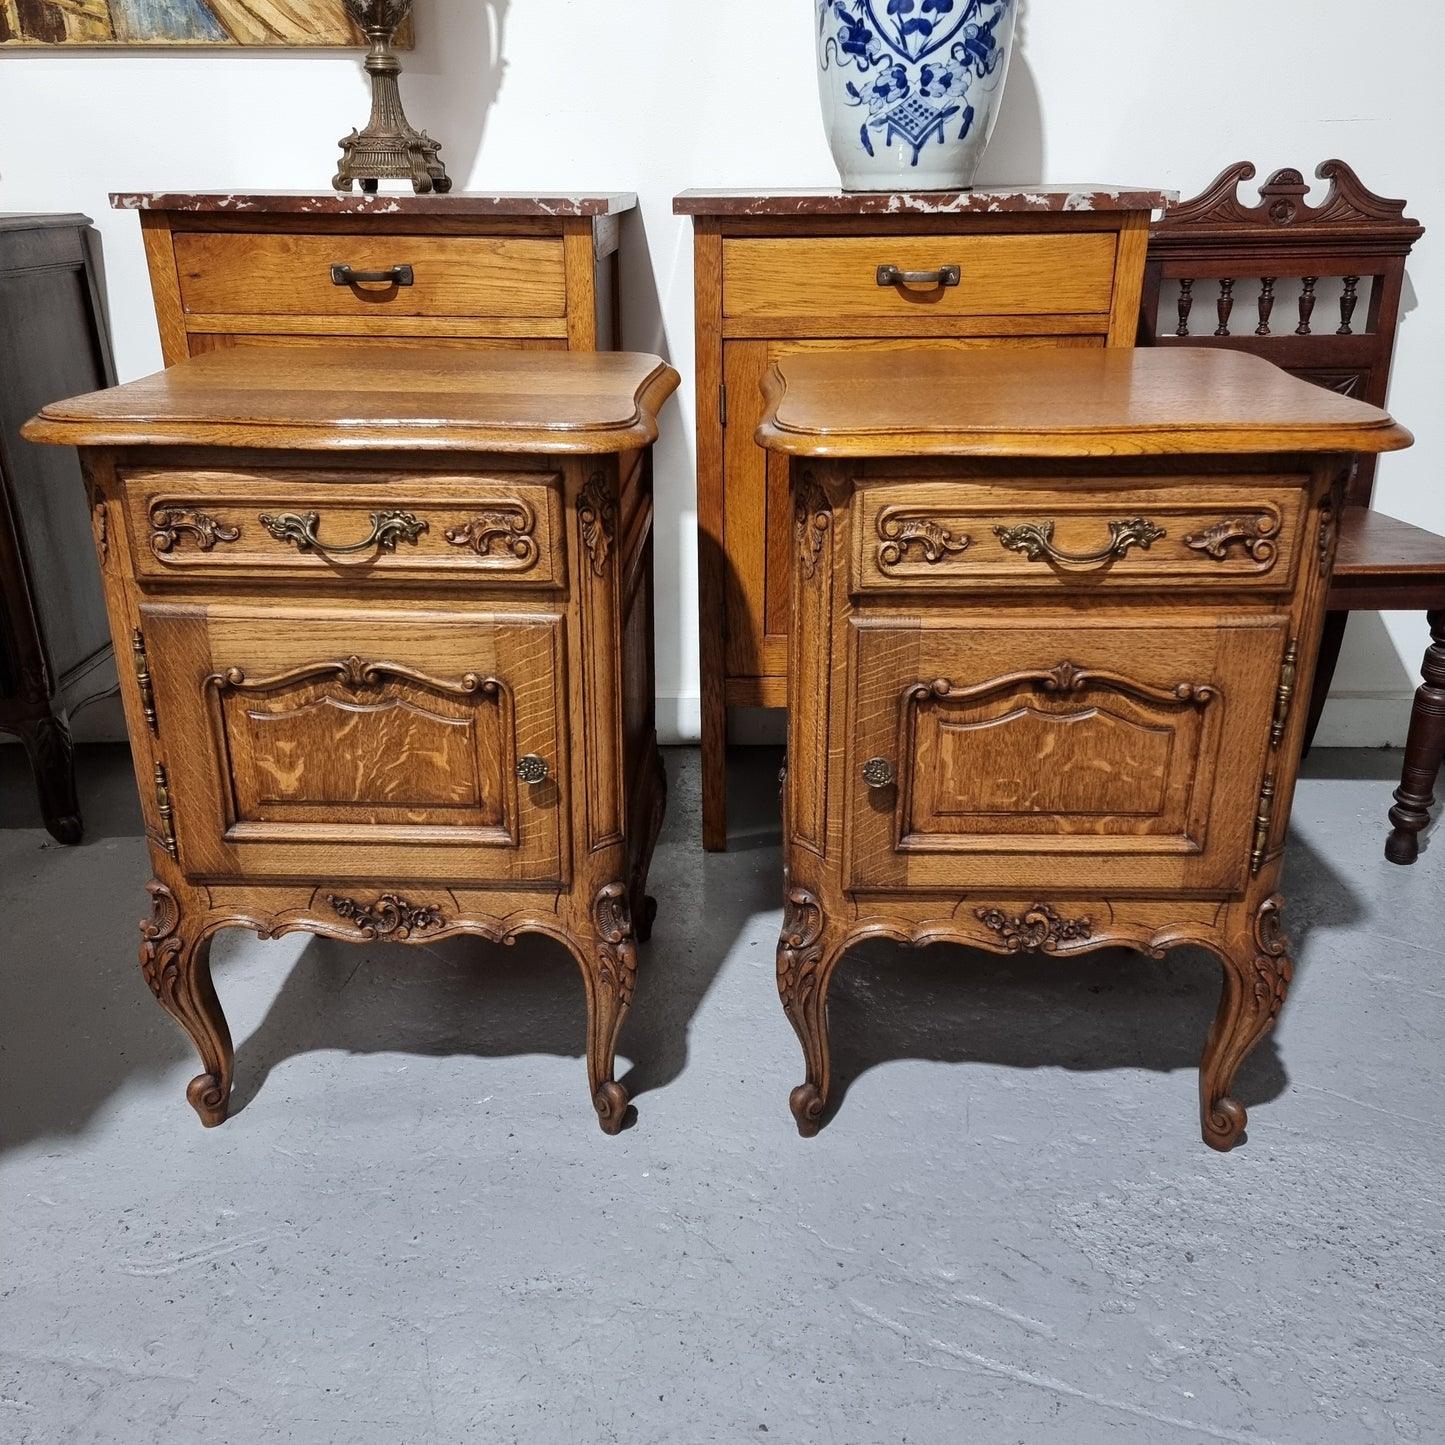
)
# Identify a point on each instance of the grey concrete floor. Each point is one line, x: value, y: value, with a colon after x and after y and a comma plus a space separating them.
x: 411, y: 1230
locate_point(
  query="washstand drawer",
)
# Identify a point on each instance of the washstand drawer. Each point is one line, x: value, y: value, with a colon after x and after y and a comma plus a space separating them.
x: 838, y: 276
x: 204, y: 526
x: 230, y: 273
x: 1208, y: 533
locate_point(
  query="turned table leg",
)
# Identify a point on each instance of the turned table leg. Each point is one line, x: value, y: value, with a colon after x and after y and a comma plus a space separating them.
x: 1257, y: 973
x: 1424, y: 751
x: 176, y: 961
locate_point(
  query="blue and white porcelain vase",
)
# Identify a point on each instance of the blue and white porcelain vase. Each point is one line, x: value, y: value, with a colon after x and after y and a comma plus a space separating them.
x: 910, y: 88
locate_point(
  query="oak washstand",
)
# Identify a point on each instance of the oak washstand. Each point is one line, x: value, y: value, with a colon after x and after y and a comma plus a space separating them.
x: 389, y: 621
x: 1051, y: 617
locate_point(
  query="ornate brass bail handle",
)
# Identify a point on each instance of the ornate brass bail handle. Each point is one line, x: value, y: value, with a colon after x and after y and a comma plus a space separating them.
x: 1036, y: 541
x: 387, y: 529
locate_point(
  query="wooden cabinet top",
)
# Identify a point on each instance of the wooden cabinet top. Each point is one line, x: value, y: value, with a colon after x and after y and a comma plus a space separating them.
x: 982, y: 200
x: 335, y: 203
x: 1065, y: 403
x: 343, y: 398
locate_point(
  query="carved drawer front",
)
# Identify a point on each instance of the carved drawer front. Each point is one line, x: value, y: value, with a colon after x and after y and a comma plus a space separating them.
x: 250, y: 273
x: 1120, y: 754
x: 836, y: 279
x: 334, y: 744
x: 1209, y: 533
x: 346, y: 525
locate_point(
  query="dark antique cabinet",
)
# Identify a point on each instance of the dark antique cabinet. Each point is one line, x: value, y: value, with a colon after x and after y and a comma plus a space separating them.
x: 55, y: 651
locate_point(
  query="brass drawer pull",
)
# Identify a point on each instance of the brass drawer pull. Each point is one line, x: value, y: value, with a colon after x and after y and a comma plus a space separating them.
x: 943, y: 276
x: 1036, y: 540
x: 878, y: 773
x: 532, y: 769
x: 387, y: 529
x: 393, y: 276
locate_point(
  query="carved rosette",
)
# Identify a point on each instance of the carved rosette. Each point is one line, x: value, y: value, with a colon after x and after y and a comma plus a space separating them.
x: 390, y: 916
x: 1254, y: 533
x: 812, y: 516
x: 511, y: 525
x: 597, y: 518
x: 170, y: 524
x: 1038, y: 928
x: 899, y: 532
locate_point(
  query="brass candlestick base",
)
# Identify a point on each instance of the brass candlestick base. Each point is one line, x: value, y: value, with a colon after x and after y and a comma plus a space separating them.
x: 388, y: 149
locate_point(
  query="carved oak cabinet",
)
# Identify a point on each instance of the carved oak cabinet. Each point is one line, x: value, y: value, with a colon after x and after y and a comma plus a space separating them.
x: 1051, y: 617
x: 779, y: 274
x: 388, y: 617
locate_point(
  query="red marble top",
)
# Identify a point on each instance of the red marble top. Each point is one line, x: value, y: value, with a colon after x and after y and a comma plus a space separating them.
x: 340, y: 203
x: 980, y: 199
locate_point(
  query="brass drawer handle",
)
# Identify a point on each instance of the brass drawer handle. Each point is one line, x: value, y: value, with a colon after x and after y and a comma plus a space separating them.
x: 878, y: 773
x: 1036, y: 540
x: 387, y: 529
x: 393, y: 276
x: 943, y: 276
x: 532, y: 769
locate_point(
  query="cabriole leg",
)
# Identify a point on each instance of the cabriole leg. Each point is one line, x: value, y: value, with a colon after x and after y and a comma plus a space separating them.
x: 1257, y: 973
x: 610, y: 977
x: 807, y: 953
x: 176, y: 962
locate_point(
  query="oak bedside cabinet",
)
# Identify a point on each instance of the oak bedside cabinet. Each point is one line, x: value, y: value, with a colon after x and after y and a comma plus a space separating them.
x: 1053, y: 622
x: 528, y: 272
x: 809, y: 272
x: 388, y: 622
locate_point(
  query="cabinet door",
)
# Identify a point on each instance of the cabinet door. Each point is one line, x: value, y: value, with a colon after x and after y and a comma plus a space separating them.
x: 360, y: 744
x: 1120, y: 754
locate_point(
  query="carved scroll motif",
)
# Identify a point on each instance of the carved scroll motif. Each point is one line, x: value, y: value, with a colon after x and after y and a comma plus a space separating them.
x: 170, y: 524
x: 800, y: 952
x: 390, y: 916
x: 616, y: 943
x: 160, y: 947
x: 512, y: 524
x: 355, y: 673
x: 1039, y: 927
x: 812, y: 516
x: 597, y: 517
x: 1064, y: 676
x: 1255, y: 533
x: 100, y: 526
x: 899, y: 532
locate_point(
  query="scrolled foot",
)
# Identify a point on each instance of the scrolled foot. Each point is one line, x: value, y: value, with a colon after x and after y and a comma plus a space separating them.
x: 210, y: 1099
x: 806, y: 1102
x: 610, y: 1101
x: 1223, y: 1124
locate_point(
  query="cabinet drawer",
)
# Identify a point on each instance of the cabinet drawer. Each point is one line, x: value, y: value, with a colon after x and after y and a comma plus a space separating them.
x: 836, y: 276
x: 271, y: 274
x: 1212, y: 533
x: 359, y: 743
x: 1118, y: 754
x: 212, y: 526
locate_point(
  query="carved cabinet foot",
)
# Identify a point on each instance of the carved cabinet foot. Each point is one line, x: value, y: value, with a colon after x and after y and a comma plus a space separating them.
x: 611, y: 977
x: 52, y: 760
x: 176, y: 962
x: 807, y: 954
x: 1257, y: 975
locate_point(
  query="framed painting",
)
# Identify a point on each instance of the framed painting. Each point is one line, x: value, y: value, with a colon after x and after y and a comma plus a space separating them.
x: 181, y: 22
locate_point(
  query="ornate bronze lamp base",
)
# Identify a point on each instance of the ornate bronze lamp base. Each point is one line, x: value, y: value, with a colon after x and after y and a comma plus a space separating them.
x: 388, y: 149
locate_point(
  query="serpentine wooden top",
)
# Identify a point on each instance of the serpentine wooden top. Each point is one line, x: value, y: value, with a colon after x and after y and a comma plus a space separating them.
x: 349, y: 397
x: 1063, y: 403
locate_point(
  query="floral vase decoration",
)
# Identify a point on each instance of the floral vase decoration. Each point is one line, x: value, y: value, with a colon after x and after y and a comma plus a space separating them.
x: 910, y: 88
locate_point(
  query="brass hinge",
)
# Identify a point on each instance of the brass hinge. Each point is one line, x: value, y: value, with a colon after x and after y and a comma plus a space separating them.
x: 1261, y: 825
x: 722, y: 403
x: 143, y: 679
x: 1285, y: 695
x: 163, y: 808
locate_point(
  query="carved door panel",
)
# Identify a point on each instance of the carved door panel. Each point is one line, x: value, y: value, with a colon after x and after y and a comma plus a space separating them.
x: 320, y: 745
x: 1120, y: 754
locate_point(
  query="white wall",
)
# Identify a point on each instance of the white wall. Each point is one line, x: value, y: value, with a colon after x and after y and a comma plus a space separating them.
x: 653, y: 96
